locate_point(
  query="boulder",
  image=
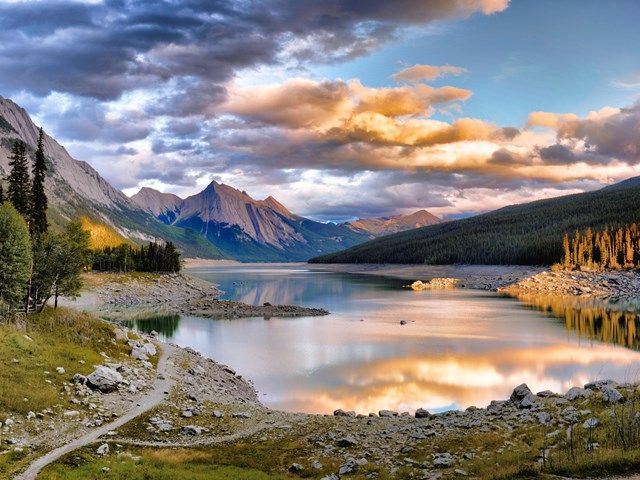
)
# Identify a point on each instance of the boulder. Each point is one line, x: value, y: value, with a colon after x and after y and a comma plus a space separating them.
x: 104, y: 379
x: 601, y: 384
x: 520, y: 392
x: 296, y: 468
x: 611, y: 395
x: 577, y: 392
x: 192, y: 430
x: 348, y: 467
x: 543, y: 417
x: 150, y: 348
x: 347, y: 441
x: 341, y: 413
x: 103, y: 449
x: 243, y: 415
x: 139, y: 353
x: 591, y: 423
x: 387, y: 413
x: 422, y: 413
x: 443, y: 460
x: 531, y: 401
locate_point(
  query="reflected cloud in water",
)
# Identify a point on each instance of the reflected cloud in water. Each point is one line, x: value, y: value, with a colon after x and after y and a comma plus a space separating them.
x: 459, y: 348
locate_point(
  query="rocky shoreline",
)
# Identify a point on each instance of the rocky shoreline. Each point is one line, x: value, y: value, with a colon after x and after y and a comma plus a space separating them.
x: 184, y: 295
x: 210, y: 404
x: 619, y: 284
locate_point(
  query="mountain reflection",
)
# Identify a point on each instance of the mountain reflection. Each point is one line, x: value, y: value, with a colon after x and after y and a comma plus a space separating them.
x: 456, y: 348
x: 614, y: 322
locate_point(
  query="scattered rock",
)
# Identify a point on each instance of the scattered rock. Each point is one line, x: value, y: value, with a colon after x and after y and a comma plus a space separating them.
x: 422, y: 413
x: 442, y: 460
x: 348, y: 441
x: 104, y: 379
x: 192, y: 430
x: 341, y: 413
x: 348, y: 467
x: 611, y: 395
x: 520, y: 392
x: 103, y: 449
x: 577, y: 392
x: 296, y: 468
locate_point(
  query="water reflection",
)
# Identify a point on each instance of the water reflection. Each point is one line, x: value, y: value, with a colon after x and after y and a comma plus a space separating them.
x: 165, y: 325
x: 606, y: 321
x: 459, y: 347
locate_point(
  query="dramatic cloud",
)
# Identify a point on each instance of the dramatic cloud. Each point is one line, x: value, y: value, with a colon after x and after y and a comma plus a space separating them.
x: 168, y: 93
x: 610, y: 133
x: 105, y: 48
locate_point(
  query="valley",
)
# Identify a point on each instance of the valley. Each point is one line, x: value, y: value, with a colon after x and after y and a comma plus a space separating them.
x: 249, y: 425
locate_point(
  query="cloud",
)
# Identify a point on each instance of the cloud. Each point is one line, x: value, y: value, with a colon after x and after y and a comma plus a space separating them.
x: 346, y: 112
x: 609, y: 133
x: 427, y: 72
x: 104, y: 49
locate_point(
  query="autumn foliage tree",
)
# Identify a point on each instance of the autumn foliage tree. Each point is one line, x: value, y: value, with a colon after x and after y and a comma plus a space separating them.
x: 611, y: 248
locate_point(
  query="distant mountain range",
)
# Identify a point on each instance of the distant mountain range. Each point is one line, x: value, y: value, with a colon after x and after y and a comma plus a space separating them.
x: 247, y: 229
x: 380, y: 226
x: 219, y: 222
x: 526, y: 234
x: 77, y: 191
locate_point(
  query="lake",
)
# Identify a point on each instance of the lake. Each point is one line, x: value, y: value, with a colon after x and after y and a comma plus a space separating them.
x: 459, y: 347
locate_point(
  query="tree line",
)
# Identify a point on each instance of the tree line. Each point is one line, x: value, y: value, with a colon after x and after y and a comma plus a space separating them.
x: 37, y: 264
x: 610, y: 248
x: 525, y: 234
x: 155, y: 257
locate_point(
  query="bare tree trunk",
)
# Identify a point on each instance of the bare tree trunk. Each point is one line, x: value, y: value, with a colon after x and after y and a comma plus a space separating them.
x: 28, y: 301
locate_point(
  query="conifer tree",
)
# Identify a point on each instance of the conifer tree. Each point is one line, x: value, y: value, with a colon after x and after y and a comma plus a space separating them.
x: 19, y: 184
x: 1, y: 193
x: 39, y: 201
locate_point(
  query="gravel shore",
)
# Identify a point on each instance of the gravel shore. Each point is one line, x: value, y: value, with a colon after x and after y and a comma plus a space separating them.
x: 180, y: 294
x: 623, y: 284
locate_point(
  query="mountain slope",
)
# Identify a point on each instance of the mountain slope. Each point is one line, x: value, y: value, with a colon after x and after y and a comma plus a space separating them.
x: 76, y: 190
x: 526, y: 234
x: 398, y: 223
x: 247, y: 229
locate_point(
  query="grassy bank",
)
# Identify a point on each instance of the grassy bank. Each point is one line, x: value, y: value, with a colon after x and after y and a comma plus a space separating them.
x: 34, y: 345
x: 31, y: 349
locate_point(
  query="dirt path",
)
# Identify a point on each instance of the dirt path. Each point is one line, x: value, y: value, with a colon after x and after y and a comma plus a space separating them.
x: 163, y: 383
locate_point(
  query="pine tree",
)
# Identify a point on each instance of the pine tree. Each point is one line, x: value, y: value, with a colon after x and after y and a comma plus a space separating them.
x: 1, y: 193
x: 39, y: 201
x: 567, y: 251
x: 19, y: 185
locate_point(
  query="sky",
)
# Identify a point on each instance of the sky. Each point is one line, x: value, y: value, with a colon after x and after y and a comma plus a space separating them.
x: 339, y: 108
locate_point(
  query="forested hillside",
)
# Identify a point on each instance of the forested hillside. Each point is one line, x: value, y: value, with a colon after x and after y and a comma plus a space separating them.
x: 527, y: 234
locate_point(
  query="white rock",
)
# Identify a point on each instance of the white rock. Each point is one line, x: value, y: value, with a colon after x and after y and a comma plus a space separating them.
x: 103, y: 449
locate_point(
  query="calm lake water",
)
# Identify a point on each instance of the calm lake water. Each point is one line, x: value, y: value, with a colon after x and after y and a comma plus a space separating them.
x: 459, y: 348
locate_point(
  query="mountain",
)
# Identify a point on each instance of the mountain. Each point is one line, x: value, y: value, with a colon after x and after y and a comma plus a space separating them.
x: 76, y: 190
x: 247, y: 229
x: 380, y: 226
x: 526, y: 234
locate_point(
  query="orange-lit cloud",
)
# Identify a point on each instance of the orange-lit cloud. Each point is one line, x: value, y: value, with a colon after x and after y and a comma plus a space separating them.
x: 427, y: 72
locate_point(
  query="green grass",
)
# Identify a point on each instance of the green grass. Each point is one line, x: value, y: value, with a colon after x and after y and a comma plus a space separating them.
x: 39, y: 343
x: 158, y: 464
